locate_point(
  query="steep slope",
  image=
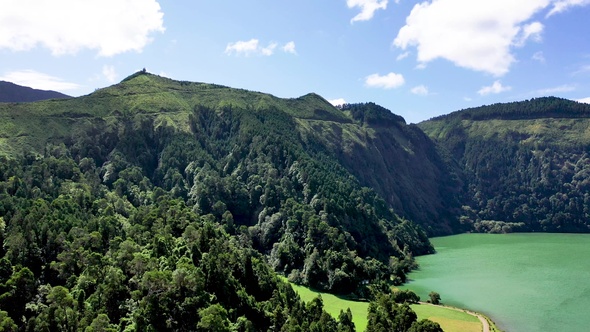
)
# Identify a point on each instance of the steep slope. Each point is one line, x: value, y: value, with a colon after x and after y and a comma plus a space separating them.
x: 394, y: 159
x: 398, y: 161
x: 526, y: 164
x: 288, y: 176
x: 13, y: 93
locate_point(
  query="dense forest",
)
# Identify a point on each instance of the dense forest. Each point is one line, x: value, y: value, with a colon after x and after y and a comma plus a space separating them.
x: 525, y: 165
x: 156, y: 205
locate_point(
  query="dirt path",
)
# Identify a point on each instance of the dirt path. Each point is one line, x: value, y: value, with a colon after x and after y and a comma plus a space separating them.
x: 482, y: 319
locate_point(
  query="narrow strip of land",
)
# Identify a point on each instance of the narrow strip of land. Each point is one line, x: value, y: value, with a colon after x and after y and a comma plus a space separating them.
x: 482, y: 319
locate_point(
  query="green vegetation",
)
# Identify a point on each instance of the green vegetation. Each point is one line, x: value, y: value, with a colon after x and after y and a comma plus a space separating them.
x: 434, y: 297
x: 450, y: 320
x: 524, y: 165
x: 163, y: 205
x: 334, y: 305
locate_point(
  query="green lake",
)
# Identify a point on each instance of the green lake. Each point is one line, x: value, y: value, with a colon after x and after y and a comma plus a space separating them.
x: 524, y: 282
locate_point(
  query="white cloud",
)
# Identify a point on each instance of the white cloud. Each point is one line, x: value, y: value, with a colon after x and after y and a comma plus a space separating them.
x: 539, y: 56
x: 477, y: 35
x: 337, y: 102
x: 557, y: 89
x: 242, y: 47
x: 368, y: 8
x: 68, y: 26
x: 252, y: 47
x: 495, y: 88
x: 269, y: 50
x: 289, y: 48
x: 530, y: 31
x: 584, y: 100
x: 402, y: 56
x: 562, y: 5
x: 38, y: 80
x: 109, y: 73
x: 389, y: 81
x: 420, y: 90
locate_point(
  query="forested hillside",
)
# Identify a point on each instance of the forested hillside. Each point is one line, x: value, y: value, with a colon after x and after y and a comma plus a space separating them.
x: 163, y: 205
x: 526, y: 165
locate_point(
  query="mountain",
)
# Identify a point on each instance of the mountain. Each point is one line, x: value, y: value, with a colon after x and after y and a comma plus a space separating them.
x: 330, y: 197
x: 165, y: 205
x: 13, y: 93
x: 525, y: 165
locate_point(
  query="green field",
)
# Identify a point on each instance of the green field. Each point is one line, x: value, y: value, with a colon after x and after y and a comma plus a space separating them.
x: 333, y: 305
x: 450, y: 320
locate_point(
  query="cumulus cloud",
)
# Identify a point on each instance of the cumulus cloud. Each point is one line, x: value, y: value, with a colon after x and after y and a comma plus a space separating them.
x: 67, y: 26
x: 253, y: 47
x: 420, y: 90
x: 109, y: 73
x: 495, y: 88
x: 477, y: 35
x: 562, y: 5
x: 38, y: 80
x: 337, y: 102
x: 584, y: 100
x: 242, y: 47
x: 389, y: 81
x: 289, y: 48
x: 368, y: 8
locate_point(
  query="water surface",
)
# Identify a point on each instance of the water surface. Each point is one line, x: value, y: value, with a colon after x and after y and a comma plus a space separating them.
x: 524, y: 282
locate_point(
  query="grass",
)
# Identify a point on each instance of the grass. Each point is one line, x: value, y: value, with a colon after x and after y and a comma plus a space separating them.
x: 450, y: 320
x: 333, y: 305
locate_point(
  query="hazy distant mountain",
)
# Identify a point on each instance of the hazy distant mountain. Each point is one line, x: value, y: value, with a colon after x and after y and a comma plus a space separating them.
x: 14, y: 93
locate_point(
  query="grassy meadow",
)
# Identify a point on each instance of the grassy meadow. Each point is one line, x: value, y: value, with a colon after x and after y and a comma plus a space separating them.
x: 450, y: 320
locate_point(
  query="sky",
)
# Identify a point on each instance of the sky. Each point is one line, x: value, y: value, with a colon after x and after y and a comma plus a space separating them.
x: 417, y: 59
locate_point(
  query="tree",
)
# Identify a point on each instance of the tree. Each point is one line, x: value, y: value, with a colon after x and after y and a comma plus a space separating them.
x: 386, y: 315
x: 213, y: 319
x: 403, y: 296
x: 345, y: 323
x: 434, y: 297
x: 425, y: 325
x: 101, y: 324
x: 6, y: 323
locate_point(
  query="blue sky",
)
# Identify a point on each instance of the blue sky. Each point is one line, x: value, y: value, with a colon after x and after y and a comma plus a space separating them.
x: 418, y: 59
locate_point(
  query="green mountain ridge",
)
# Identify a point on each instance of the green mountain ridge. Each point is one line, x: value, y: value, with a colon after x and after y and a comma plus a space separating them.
x: 524, y: 163
x: 156, y: 204
x: 286, y: 169
x: 348, y: 137
x: 162, y: 205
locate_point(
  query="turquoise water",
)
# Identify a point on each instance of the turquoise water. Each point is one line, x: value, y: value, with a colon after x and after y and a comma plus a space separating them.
x: 524, y: 282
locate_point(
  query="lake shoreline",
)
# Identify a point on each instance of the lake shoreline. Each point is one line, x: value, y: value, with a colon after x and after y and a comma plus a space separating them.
x: 488, y: 325
x: 526, y: 281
